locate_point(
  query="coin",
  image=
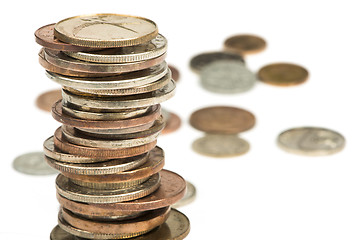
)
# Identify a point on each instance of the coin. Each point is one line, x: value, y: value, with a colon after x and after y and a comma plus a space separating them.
x: 105, y: 30
x: 311, y: 141
x: 245, y: 44
x: 46, y: 100
x: 33, y: 163
x: 222, y: 120
x: 283, y: 74
x: 220, y: 145
x: 227, y: 76
x: 198, y: 62
x: 173, y: 123
x: 174, y: 73
x: 189, y: 196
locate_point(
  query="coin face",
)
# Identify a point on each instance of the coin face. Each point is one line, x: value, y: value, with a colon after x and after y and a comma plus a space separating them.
x: 311, y: 141
x: 283, y: 74
x: 46, y: 100
x: 189, y: 196
x: 33, y: 164
x: 245, y: 44
x: 222, y: 120
x: 227, y: 76
x: 105, y: 30
x: 220, y: 145
x: 198, y: 62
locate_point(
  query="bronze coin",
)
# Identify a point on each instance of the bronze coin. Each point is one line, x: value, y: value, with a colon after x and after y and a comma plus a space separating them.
x: 63, y: 118
x: 45, y: 37
x: 245, y: 44
x: 222, y: 119
x: 172, y: 124
x: 283, y: 74
x: 46, y: 100
x: 175, y: 74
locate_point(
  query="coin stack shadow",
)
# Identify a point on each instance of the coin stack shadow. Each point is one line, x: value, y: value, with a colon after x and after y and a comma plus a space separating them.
x: 111, y: 183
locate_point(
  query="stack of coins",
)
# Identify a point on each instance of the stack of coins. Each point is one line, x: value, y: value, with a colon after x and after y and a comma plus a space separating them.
x: 113, y: 75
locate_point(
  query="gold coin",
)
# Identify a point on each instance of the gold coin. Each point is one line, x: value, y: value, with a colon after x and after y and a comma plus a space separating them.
x: 283, y: 74
x: 105, y: 30
x: 244, y: 44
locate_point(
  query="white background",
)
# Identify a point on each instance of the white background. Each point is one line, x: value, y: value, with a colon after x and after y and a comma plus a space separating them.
x: 265, y: 194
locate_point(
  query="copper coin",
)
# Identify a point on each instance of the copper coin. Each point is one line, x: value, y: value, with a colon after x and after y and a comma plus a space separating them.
x: 45, y: 37
x: 46, y: 100
x: 283, y: 74
x: 175, y: 74
x: 245, y: 44
x: 222, y: 119
x: 63, y: 118
x: 172, y: 124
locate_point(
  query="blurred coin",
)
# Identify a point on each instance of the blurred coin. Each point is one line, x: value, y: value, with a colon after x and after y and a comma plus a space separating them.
x: 245, y: 44
x: 311, y: 141
x: 174, y: 73
x: 219, y: 145
x: 173, y: 121
x: 227, y: 76
x: 198, y: 62
x: 189, y: 196
x: 46, y: 100
x: 33, y: 164
x: 283, y: 74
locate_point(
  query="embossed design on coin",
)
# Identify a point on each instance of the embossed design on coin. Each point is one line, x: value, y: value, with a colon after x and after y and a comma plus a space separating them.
x: 283, y: 74
x: 311, y: 141
x: 33, y: 164
x: 189, y: 197
x: 222, y: 120
x: 219, y: 145
x: 198, y: 62
x: 46, y: 100
x: 245, y: 44
x: 227, y: 76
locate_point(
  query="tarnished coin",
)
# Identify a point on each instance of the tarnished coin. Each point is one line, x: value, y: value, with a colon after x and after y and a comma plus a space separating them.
x: 222, y: 120
x: 283, y: 74
x: 105, y: 30
x: 198, y: 62
x: 174, y: 73
x: 311, y: 141
x: 173, y: 122
x: 245, y: 44
x: 33, y: 164
x: 46, y: 100
x: 227, y: 76
x: 189, y: 197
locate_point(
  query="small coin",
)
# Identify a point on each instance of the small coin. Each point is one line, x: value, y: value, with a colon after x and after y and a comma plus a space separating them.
x: 174, y: 73
x: 172, y: 124
x: 46, y: 100
x: 227, y: 76
x: 245, y: 44
x: 222, y: 120
x: 311, y: 141
x: 283, y: 74
x: 33, y: 164
x: 189, y: 197
x: 198, y: 62
x: 219, y: 145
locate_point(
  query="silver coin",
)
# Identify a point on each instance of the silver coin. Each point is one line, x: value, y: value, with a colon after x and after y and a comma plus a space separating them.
x: 311, y: 141
x: 189, y: 197
x: 220, y: 145
x: 33, y: 164
x: 227, y: 76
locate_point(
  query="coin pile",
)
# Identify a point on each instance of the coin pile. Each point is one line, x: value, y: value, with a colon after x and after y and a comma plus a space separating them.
x: 113, y: 75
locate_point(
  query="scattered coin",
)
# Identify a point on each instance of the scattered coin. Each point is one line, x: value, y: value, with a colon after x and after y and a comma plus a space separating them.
x: 220, y: 145
x: 311, y: 141
x: 189, y: 196
x: 227, y: 76
x: 173, y: 122
x: 283, y: 74
x: 222, y: 120
x: 245, y: 44
x: 198, y: 62
x: 174, y: 73
x: 33, y: 164
x: 46, y: 100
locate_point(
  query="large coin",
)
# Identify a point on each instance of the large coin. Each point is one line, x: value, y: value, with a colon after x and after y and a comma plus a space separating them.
x: 33, y: 164
x: 198, y: 62
x: 218, y: 145
x: 283, y: 74
x: 311, y: 141
x: 46, y: 100
x: 222, y: 119
x: 245, y: 44
x: 227, y: 76
x: 189, y: 196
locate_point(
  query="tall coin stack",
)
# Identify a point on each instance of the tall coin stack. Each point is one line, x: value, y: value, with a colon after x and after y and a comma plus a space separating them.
x: 113, y: 75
